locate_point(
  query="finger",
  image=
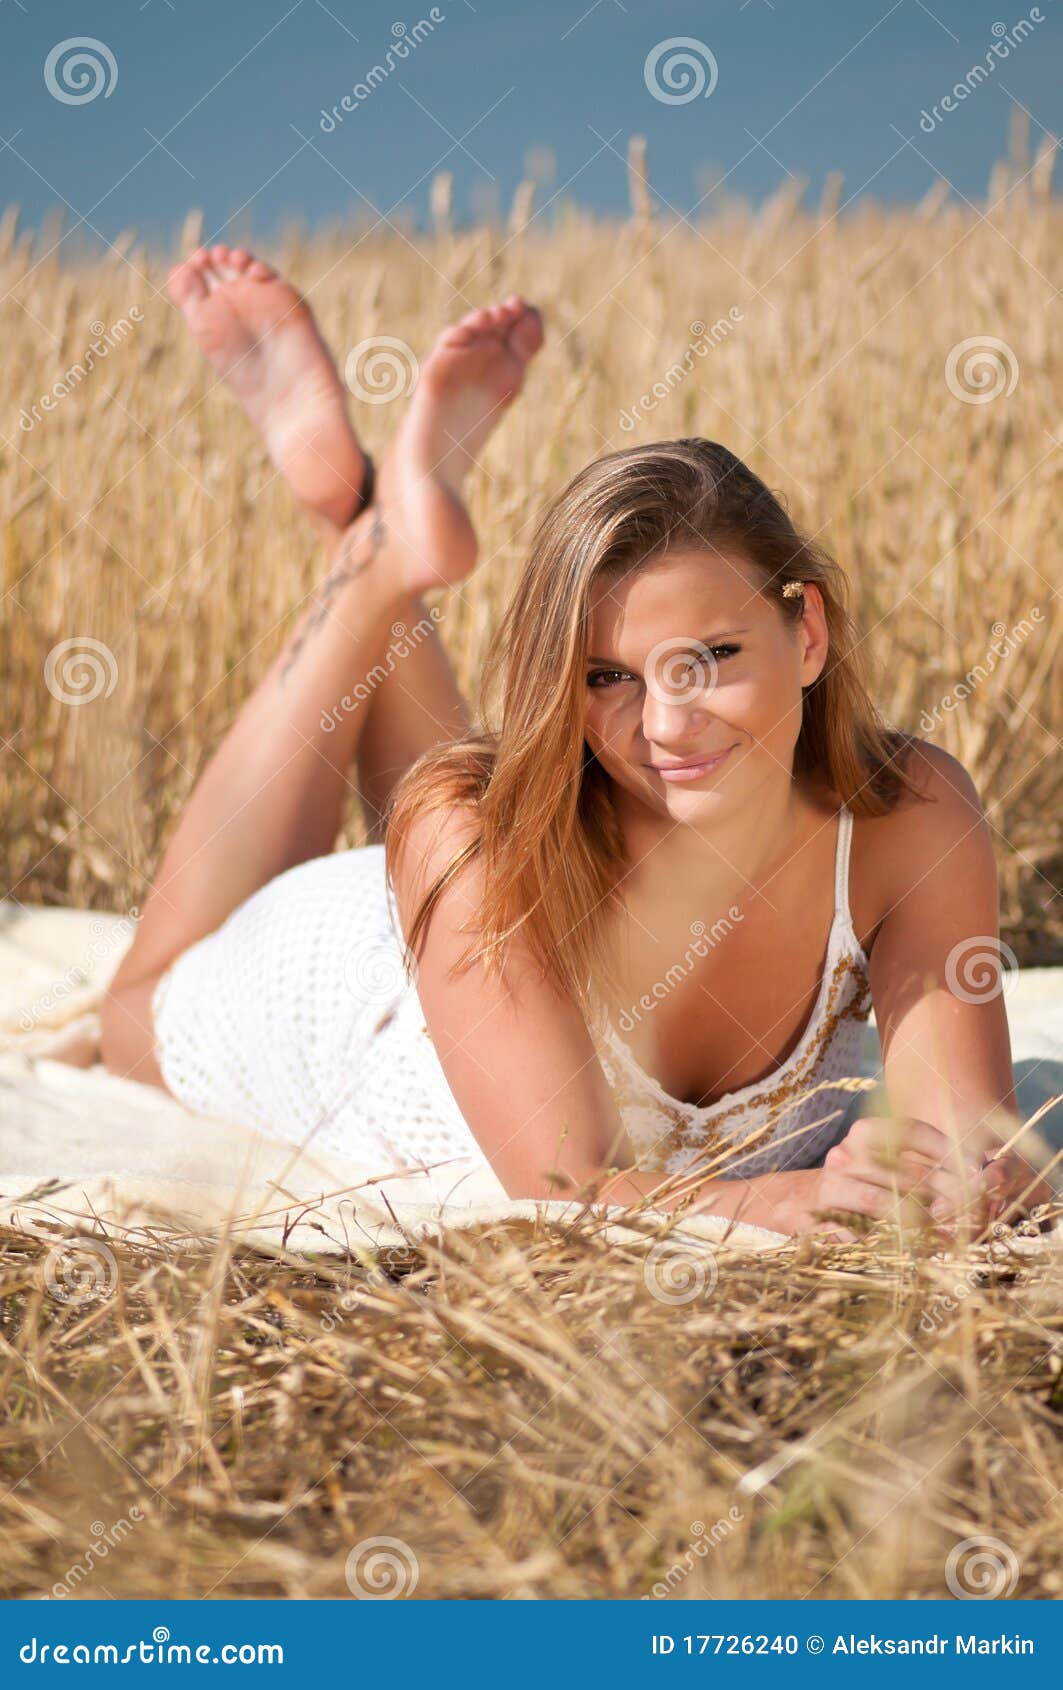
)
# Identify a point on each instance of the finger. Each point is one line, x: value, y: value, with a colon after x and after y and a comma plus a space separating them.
x: 836, y: 1234
x: 882, y: 1203
x: 1012, y: 1176
x: 886, y: 1137
x: 915, y: 1176
x: 976, y: 1209
x: 858, y: 1197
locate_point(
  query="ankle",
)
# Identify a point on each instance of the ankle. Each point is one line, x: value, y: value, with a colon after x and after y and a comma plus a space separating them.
x: 362, y: 569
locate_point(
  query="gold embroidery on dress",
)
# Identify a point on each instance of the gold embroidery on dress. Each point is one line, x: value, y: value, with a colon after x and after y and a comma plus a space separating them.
x: 682, y: 1131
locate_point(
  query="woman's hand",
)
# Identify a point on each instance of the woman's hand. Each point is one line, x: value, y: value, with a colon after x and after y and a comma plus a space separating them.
x: 882, y: 1159
x: 1015, y: 1186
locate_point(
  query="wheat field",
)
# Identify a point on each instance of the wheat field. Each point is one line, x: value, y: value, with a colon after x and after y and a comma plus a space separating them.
x: 892, y: 372
x: 522, y: 1410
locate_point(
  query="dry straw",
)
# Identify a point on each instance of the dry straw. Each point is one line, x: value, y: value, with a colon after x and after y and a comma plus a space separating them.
x: 536, y: 1413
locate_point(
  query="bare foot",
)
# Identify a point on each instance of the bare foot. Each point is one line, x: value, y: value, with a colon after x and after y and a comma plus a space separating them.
x: 474, y: 372
x: 261, y: 337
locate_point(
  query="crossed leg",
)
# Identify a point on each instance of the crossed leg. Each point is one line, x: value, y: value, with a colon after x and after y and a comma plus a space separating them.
x: 273, y: 793
x: 260, y: 336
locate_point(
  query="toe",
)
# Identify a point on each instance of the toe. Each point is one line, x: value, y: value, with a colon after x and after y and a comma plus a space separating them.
x: 224, y: 265
x: 260, y: 271
x: 239, y: 258
x: 185, y: 284
x: 526, y: 335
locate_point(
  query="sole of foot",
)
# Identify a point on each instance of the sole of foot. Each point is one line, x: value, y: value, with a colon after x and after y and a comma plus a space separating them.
x: 259, y: 335
x: 472, y: 376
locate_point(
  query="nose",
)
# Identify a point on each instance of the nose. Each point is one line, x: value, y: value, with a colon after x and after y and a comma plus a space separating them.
x: 671, y: 723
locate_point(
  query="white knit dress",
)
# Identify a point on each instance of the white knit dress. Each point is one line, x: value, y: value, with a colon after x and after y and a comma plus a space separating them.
x: 295, y: 1017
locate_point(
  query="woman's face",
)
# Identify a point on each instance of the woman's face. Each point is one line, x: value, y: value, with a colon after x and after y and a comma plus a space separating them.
x: 689, y: 660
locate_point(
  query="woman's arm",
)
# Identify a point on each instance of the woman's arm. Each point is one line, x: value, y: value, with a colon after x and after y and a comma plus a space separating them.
x: 938, y: 974
x: 522, y: 1067
x: 517, y: 1056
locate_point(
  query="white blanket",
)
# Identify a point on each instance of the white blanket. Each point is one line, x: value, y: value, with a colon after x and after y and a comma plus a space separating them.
x: 81, y: 1146
x: 78, y: 1144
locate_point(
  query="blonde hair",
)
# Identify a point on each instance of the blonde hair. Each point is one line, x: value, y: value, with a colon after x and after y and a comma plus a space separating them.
x: 545, y: 828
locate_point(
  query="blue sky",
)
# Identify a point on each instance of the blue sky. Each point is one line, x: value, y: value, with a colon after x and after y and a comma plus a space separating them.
x: 217, y: 104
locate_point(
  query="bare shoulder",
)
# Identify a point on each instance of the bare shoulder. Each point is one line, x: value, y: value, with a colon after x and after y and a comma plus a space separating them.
x: 436, y: 839
x: 946, y: 785
x: 941, y: 826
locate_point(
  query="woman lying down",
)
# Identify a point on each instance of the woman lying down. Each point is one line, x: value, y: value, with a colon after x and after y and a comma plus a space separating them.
x: 644, y: 922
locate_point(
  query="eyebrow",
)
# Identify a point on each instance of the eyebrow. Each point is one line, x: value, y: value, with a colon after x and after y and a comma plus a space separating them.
x: 709, y: 640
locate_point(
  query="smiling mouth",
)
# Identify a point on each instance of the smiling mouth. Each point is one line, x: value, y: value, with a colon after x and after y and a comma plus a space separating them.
x: 691, y: 771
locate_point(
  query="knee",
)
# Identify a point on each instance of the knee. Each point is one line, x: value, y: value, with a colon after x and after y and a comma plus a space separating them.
x: 127, y: 1031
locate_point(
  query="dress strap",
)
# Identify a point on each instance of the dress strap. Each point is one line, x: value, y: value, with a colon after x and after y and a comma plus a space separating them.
x: 841, y: 864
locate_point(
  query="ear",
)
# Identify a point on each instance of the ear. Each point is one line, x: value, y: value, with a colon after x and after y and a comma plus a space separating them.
x: 815, y: 640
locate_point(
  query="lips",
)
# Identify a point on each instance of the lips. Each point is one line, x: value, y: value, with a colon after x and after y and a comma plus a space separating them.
x: 693, y: 768
x: 691, y: 762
